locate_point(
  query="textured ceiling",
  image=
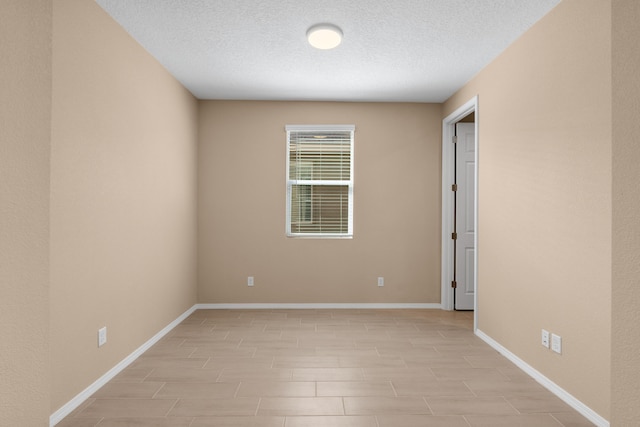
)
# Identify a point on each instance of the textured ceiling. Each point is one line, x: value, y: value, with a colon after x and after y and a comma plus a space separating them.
x: 393, y: 50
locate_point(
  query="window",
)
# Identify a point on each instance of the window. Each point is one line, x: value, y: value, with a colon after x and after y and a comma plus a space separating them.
x: 320, y: 181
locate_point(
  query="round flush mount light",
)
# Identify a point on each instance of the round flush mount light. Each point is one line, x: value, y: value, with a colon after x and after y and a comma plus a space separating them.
x: 324, y: 36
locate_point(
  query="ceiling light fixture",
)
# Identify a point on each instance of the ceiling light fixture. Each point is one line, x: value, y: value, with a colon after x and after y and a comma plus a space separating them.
x: 324, y: 36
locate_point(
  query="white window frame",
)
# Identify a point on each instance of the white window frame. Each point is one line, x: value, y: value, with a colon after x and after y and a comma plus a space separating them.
x: 290, y: 182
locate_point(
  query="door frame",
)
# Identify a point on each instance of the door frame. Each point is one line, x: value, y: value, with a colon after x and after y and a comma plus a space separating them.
x: 448, y: 201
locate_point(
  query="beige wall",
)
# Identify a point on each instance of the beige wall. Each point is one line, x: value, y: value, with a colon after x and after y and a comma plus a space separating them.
x: 25, y: 123
x: 625, y: 345
x: 123, y: 197
x: 545, y: 197
x: 241, y: 178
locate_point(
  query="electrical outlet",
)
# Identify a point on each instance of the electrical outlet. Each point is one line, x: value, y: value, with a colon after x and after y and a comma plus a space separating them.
x: 250, y: 281
x: 102, y: 336
x: 556, y: 343
x: 380, y: 281
x: 545, y: 338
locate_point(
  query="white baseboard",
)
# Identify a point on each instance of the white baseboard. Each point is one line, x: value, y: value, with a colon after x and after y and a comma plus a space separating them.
x: 298, y: 306
x: 554, y: 388
x: 70, y: 406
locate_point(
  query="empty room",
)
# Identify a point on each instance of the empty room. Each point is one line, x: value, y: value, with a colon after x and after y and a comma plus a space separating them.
x: 209, y: 219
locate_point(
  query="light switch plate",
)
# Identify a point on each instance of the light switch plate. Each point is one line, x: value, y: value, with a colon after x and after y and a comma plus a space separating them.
x: 102, y: 336
x: 556, y: 343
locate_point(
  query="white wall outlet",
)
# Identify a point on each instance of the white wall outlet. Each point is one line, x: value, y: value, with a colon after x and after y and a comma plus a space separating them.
x: 545, y: 338
x: 102, y: 336
x: 380, y: 281
x: 556, y: 343
x: 250, y: 281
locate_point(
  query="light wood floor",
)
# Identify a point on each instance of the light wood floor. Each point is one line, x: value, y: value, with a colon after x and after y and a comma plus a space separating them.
x: 321, y: 368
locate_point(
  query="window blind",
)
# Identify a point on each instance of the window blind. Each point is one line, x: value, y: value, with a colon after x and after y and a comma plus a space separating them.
x: 320, y: 181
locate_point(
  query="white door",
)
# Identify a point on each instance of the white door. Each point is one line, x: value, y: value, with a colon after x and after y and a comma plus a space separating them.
x: 465, y: 219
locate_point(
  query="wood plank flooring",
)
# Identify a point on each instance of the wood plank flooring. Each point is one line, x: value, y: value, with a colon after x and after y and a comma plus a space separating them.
x: 313, y: 368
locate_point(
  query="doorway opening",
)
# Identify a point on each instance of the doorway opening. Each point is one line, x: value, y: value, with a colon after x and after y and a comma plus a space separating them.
x: 459, y: 232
